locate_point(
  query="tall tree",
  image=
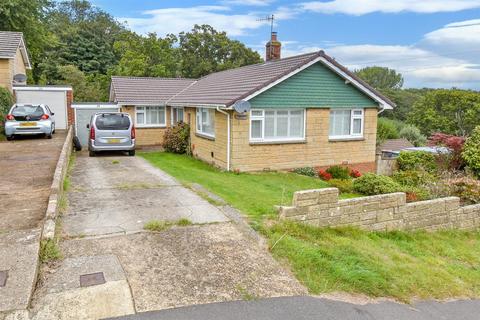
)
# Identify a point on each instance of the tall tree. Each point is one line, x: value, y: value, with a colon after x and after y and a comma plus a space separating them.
x: 452, y: 111
x: 381, y: 78
x: 204, y: 50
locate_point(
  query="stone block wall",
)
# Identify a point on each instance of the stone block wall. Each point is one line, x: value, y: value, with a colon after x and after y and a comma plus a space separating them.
x: 322, y: 208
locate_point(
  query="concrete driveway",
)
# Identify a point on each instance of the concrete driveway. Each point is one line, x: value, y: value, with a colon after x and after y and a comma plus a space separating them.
x: 110, y: 200
x: 119, y: 194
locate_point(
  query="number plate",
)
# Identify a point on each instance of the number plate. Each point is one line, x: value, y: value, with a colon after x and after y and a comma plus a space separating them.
x: 113, y: 140
x: 28, y: 124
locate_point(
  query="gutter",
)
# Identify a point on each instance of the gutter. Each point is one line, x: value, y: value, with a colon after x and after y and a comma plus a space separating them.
x: 228, y: 136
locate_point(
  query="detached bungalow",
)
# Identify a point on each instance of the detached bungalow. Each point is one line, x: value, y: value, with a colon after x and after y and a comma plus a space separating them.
x: 306, y: 110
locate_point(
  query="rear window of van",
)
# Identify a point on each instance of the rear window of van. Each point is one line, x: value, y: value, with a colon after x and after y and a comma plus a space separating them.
x: 109, y: 121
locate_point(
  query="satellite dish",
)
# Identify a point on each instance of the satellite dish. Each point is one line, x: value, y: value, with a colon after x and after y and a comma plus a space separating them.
x: 242, y: 106
x: 20, y: 78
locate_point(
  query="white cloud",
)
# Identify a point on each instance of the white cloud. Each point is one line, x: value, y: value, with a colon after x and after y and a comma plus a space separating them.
x: 176, y: 20
x: 356, y: 7
x: 259, y: 3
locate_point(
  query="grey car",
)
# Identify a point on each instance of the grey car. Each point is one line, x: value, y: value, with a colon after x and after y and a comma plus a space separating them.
x: 29, y: 119
x: 111, y: 131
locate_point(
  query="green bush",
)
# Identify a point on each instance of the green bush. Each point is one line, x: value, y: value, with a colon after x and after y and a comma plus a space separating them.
x: 387, y: 129
x: 177, y: 138
x: 417, y: 160
x: 305, y: 171
x: 339, y: 172
x: 372, y: 184
x: 413, y: 134
x: 6, y: 102
x: 345, y: 186
x: 471, y: 151
x: 413, y: 177
x: 416, y: 193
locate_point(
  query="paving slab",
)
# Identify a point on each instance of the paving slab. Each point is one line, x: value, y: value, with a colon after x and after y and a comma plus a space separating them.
x: 115, y: 194
x: 191, y: 265
x: 19, y: 258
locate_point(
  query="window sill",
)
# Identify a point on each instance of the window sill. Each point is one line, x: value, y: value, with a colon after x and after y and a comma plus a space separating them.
x: 343, y: 139
x: 204, y: 136
x: 161, y: 126
x: 303, y: 141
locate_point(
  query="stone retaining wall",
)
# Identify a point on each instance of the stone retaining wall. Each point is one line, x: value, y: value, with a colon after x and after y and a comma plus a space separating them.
x: 321, y: 207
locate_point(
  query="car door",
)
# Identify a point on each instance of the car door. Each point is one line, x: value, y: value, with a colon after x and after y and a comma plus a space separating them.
x: 51, y: 115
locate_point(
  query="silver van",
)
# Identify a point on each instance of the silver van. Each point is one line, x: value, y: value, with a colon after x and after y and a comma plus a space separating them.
x: 111, y: 131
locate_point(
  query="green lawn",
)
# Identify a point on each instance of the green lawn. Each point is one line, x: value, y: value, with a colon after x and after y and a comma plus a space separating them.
x: 403, y: 265
x: 254, y: 194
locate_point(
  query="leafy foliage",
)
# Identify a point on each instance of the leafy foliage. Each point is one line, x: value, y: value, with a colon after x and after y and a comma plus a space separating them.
x: 471, y: 152
x: 386, y: 129
x: 6, y: 102
x: 413, y: 177
x: 381, y: 78
x: 345, y: 186
x: 324, y: 175
x: 177, y: 138
x: 453, y: 160
x: 339, y: 172
x: 413, y: 134
x: 453, y: 112
x: 306, y: 171
x: 417, y: 160
x: 372, y: 184
x: 467, y: 189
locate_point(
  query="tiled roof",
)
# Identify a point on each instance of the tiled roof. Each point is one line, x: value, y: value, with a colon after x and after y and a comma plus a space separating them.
x: 10, y: 42
x: 394, y: 145
x: 145, y: 90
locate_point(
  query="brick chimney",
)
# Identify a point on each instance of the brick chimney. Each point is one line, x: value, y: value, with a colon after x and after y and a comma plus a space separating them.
x: 273, y: 48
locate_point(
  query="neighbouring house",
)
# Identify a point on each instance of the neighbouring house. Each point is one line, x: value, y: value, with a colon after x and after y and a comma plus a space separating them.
x: 13, y: 59
x: 306, y: 110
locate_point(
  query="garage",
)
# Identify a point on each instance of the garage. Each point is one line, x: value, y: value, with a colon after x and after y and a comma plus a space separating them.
x: 83, y: 113
x: 56, y: 97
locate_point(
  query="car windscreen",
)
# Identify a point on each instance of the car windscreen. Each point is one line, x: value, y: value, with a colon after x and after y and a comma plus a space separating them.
x: 27, y: 112
x: 112, y: 122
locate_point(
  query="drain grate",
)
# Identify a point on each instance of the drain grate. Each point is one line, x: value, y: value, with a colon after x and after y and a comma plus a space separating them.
x: 3, y: 278
x: 92, y: 279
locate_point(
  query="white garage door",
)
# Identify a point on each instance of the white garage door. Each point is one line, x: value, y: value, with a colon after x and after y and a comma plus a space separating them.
x: 83, y: 113
x: 56, y: 101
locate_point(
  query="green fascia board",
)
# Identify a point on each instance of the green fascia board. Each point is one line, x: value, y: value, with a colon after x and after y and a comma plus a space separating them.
x: 314, y: 87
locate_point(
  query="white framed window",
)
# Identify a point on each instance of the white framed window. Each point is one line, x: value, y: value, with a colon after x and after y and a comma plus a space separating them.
x: 206, y: 121
x: 177, y: 115
x: 346, y: 123
x: 277, y: 125
x: 150, y: 116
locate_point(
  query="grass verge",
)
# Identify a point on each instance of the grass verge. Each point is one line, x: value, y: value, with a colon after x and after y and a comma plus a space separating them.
x: 402, y: 265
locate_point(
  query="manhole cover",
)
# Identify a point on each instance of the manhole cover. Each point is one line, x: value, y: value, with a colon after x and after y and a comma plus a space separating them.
x: 92, y: 279
x: 3, y: 278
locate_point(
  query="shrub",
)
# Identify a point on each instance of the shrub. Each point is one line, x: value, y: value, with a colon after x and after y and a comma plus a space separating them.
x: 467, y: 189
x: 413, y: 177
x: 413, y: 134
x: 339, y: 172
x: 177, y: 138
x: 6, y: 102
x: 355, y: 174
x: 453, y: 160
x: 306, y: 171
x: 417, y: 160
x: 386, y: 129
x: 416, y: 193
x: 471, y: 151
x: 372, y: 184
x: 345, y: 186
x: 322, y: 174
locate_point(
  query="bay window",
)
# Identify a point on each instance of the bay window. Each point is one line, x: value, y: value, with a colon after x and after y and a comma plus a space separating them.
x: 150, y: 116
x: 206, y: 121
x: 346, y: 123
x: 277, y: 125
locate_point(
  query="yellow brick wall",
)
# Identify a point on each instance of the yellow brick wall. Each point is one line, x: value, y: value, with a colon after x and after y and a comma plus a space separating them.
x: 19, y: 64
x: 203, y: 147
x: 6, y: 73
x: 316, y: 151
x: 147, y: 136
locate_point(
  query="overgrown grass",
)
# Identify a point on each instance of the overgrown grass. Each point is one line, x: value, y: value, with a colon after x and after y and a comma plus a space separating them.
x: 157, y: 226
x: 403, y: 265
x: 254, y: 194
x: 49, y: 251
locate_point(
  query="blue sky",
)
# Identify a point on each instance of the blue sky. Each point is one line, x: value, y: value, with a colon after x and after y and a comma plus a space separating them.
x: 433, y: 43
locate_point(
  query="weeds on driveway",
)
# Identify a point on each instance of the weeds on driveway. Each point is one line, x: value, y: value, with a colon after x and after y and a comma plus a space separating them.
x: 157, y: 226
x: 49, y: 251
x: 403, y: 265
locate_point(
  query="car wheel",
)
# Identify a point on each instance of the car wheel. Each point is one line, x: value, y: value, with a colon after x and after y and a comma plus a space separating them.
x: 131, y: 153
x: 9, y: 138
x: 91, y: 153
x: 49, y: 136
